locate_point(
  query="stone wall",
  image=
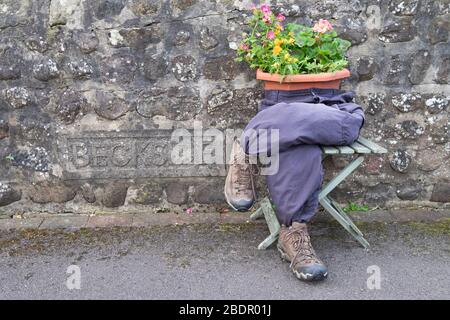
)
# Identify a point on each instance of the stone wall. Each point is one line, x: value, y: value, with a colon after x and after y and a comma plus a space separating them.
x: 88, y: 90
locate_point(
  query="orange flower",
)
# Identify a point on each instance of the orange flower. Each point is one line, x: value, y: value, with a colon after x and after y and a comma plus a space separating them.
x: 276, y: 50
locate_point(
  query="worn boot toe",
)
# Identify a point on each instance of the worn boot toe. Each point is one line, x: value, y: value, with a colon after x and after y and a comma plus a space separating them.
x: 313, y: 272
x: 241, y: 204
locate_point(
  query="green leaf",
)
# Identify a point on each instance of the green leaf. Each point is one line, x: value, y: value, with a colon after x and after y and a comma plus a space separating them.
x: 332, y: 33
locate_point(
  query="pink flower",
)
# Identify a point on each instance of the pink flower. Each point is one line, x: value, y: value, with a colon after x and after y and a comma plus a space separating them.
x: 322, y: 26
x: 265, y: 9
x: 189, y: 210
x: 270, y: 35
x: 244, y: 46
x: 280, y: 17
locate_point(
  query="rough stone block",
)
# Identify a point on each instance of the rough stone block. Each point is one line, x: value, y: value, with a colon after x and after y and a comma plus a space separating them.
x: 407, y: 102
x: 110, y: 106
x: 114, y: 194
x: 410, y: 190
x: 404, y: 7
x: 8, y: 194
x: 177, y: 192
x: 184, y: 68
x: 222, y: 68
x: 443, y: 73
x: 4, y: 129
x: 209, y: 192
x: 46, y: 69
x: 439, y: 29
x: 366, y: 67
x: 420, y: 63
x: 400, y: 160
x: 400, y: 30
x: 149, y: 193
x: 47, y: 191
x: 441, y: 192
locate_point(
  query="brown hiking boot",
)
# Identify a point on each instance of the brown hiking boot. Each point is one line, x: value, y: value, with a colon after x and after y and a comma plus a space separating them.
x: 239, y: 188
x: 295, y: 246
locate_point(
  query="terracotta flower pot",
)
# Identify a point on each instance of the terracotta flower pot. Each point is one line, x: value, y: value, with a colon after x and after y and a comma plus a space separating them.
x: 331, y: 80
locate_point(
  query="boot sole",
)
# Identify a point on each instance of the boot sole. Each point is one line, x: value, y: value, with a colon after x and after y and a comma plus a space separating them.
x: 283, y: 255
x: 300, y: 275
x: 243, y: 209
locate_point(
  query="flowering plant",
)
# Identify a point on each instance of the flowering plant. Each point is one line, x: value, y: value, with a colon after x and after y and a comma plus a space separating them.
x: 291, y: 48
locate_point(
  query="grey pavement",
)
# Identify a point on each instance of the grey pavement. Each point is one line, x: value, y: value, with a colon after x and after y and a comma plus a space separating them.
x: 220, y: 261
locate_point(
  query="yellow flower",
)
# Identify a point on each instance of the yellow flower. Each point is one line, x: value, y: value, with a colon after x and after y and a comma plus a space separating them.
x: 279, y: 27
x: 294, y: 60
x: 291, y: 40
x: 291, y: 34
x: 277, y: 32
x: 276, y: 50
x: 287, y: 56
x: 278, y: 42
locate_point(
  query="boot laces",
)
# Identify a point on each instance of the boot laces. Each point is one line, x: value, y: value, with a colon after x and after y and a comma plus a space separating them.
x: 301, y: 242
x: 244, y: 177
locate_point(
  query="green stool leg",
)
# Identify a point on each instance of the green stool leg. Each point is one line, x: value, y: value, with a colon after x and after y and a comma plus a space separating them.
x: 326, y: 204
x: 345, y: 216
x: 341, y: 176
x: 257, y: 214
x: 268, y: 241
x: 271, y: 220
x: 332, y: 208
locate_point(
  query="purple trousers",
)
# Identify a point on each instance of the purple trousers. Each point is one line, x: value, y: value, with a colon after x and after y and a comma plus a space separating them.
x: 304, y: 119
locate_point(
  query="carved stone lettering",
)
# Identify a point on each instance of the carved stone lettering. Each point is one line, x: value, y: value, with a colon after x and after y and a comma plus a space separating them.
x: 134, y: 154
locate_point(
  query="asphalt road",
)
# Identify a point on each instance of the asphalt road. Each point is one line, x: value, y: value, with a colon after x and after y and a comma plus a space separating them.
x: 221, y: 262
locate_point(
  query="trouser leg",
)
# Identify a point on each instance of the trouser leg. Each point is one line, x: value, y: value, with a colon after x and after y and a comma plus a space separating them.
x: 303, y: 123
x: 309, y: 209
x: 294, y: 188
